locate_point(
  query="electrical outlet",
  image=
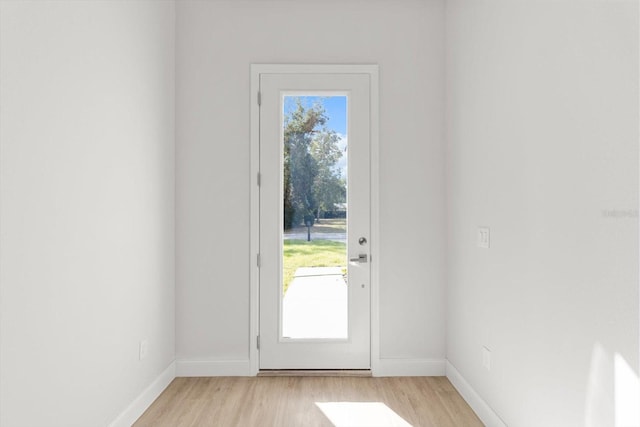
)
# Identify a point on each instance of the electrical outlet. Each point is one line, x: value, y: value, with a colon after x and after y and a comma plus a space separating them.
x: 484, y: 236
x: 144, y: 348
x: 486, y: 358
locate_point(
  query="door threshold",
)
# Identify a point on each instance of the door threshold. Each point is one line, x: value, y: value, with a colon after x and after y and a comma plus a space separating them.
x: 363, y: 373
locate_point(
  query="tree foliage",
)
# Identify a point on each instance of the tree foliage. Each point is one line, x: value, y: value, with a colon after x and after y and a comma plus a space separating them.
x: 312, y: 183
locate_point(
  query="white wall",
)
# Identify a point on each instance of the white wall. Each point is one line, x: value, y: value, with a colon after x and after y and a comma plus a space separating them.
x: 216, y: 43
x: 86, y: 207
x: 542, y: 109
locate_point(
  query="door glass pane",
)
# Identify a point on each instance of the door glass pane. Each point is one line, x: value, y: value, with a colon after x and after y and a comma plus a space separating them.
x: 314, y: 177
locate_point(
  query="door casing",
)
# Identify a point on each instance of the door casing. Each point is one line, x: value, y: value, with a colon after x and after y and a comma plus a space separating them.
x: 256, y: 71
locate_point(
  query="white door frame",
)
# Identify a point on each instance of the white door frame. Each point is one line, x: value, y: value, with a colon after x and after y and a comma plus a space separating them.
x: 256, y: 70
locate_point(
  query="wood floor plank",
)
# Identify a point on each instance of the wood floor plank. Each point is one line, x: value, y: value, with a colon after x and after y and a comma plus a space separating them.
x: 284, y: 401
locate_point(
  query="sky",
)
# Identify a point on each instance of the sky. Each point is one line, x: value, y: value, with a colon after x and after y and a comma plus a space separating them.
x: 335, y: 106
x: 336, y: 109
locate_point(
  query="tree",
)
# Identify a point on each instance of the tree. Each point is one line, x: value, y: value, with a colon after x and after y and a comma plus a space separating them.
x: 311, y: 181
x: 300, y: 168
x: 329, y: 187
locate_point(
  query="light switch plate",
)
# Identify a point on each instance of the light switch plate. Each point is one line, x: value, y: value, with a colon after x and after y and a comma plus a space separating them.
x: 483, y: 237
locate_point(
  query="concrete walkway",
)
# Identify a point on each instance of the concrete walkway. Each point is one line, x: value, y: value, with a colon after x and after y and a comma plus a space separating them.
x: 316, y: 304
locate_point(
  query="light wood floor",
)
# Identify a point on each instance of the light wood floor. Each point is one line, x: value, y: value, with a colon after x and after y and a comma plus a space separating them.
x: 291, y: 401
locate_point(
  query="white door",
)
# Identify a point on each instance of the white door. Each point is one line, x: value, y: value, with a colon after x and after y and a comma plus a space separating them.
x: 314, y: 275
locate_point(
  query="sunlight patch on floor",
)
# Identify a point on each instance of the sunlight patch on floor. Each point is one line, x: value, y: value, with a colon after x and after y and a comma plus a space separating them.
x: 361, y: 414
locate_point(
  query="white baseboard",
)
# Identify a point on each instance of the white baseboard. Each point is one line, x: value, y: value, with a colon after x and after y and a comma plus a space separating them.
x: 213, y: 368
x: 479, y: 406
x: 409, y: 368
x: 146, y: 398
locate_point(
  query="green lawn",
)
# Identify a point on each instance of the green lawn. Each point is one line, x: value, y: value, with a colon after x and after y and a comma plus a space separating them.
x: 317, y: 253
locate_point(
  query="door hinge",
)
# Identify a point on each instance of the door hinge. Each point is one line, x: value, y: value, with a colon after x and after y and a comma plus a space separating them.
x: 259, y: 179
x: 258, y: 342
x: 259, y: 98
x: 258, y: 260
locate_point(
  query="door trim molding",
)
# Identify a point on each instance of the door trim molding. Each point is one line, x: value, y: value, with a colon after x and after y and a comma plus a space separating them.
x: 254, y: 226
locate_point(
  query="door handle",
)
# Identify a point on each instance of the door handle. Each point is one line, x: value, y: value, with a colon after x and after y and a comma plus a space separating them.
x: 362, y: 258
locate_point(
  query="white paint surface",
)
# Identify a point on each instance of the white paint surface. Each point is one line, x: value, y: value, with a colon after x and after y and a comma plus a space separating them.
x: 542, y: 109
x: 86, y: 207
x: 216, y: 43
